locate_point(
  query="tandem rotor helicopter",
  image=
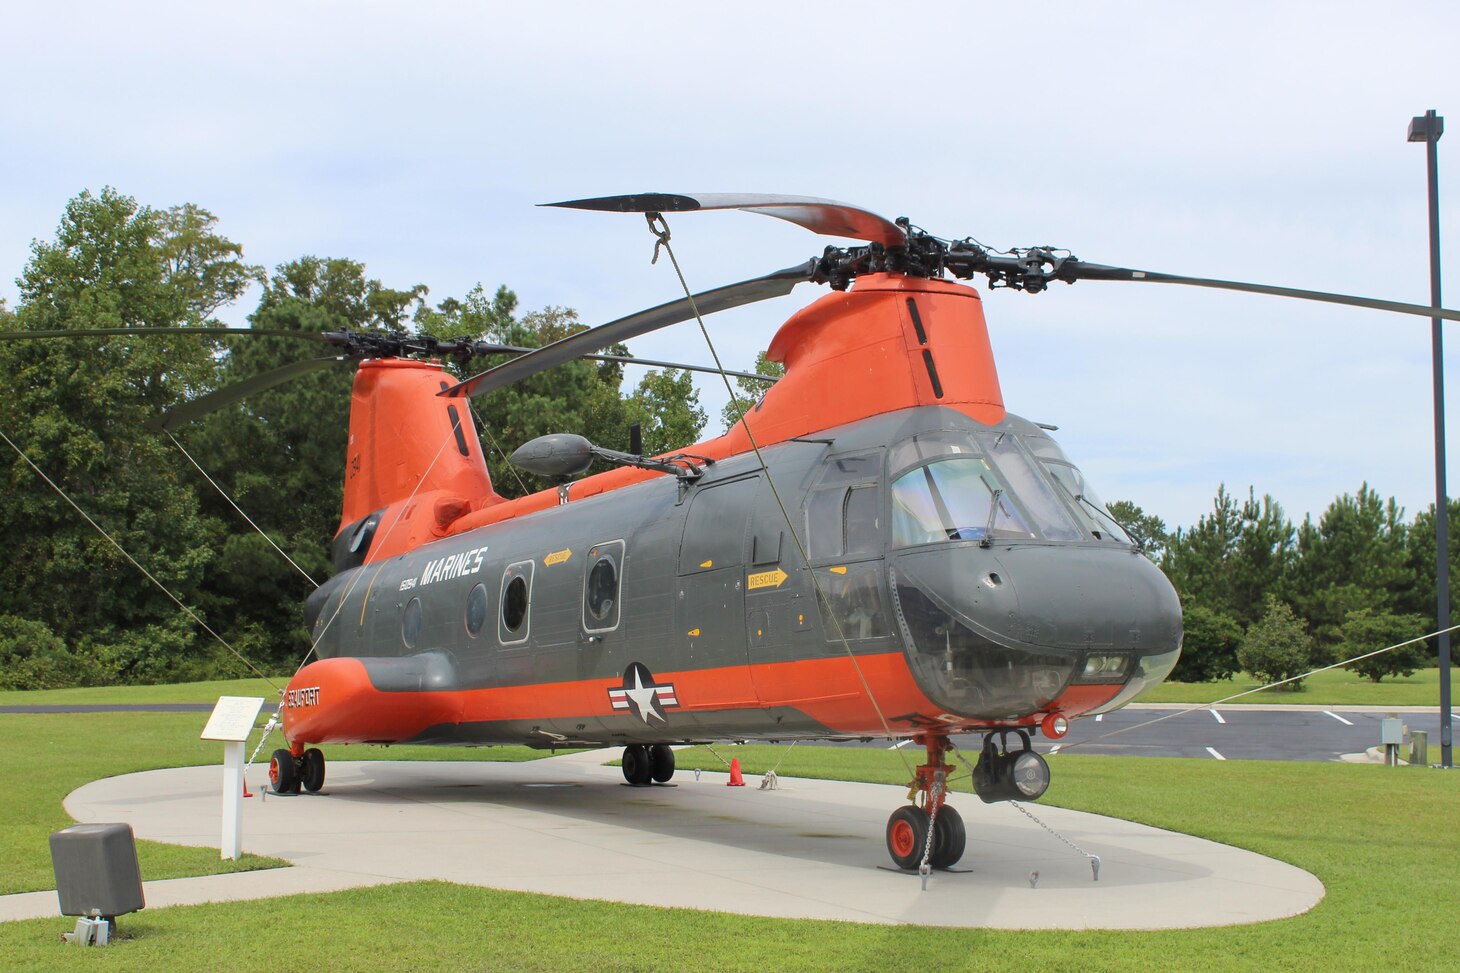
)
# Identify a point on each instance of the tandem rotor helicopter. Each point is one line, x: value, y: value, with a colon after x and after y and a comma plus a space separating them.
x: 877, y: 549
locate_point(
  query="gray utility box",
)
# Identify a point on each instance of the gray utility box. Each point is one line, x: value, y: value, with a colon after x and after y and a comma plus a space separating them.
x: 96, y: 870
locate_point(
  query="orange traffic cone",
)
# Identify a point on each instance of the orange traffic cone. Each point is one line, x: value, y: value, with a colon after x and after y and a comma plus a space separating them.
x: 735, y: 779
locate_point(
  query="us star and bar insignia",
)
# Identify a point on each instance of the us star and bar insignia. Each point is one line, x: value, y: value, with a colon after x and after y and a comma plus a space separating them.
x: 640, y: 693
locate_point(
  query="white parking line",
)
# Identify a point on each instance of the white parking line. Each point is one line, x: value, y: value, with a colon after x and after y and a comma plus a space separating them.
x: 900, y: 744
x: 1216, y: 715
x: 1215, y: 754
x: 1056, y: 748
x: 1339, y: 718
x: 1100, y: 717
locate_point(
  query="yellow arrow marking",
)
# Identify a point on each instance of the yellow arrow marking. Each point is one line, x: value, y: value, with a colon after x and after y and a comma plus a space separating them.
x: 838, y: 570
x: 767, y: 579
x: 558, y: 557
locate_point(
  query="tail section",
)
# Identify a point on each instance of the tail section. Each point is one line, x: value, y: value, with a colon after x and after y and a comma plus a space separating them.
x: 413, y: 466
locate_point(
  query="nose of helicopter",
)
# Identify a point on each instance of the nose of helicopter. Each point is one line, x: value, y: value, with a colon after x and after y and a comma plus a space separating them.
x: 1002, y: 634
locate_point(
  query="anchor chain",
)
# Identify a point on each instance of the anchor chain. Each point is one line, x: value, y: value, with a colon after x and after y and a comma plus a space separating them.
x: 934, y: 802
x: 1094, y: 859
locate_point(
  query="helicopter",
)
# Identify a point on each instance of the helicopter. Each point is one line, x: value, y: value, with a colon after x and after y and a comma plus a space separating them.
x: 878, y: 548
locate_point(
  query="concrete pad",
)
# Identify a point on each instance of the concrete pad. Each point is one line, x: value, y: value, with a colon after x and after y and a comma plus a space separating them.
x: 569, y: 826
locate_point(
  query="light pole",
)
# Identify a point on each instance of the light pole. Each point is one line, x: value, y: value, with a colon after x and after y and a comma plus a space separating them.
x: 1428, y: 129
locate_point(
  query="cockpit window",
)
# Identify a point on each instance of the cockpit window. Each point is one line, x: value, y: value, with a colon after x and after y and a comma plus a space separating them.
x: 1034, y: 491
x: 953, y: 499
x: 1091, y: 507
x: 991, y: 485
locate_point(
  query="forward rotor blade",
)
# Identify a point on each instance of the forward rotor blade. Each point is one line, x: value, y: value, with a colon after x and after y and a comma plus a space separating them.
x: 584, y: 343
x: 105, y: 332
x: 230, y: 394
x: 1084, y: 271
x: 825, y: 216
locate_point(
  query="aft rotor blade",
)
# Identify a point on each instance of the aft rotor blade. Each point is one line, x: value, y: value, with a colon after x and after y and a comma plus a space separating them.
x: 1084, y: 271
x: 825, y: 216
x: 230, y: 394
x: 106, y: 332
x: 596, y: 339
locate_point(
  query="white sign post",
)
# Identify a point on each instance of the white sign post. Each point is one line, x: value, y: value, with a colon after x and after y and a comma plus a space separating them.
x: 232, y: 721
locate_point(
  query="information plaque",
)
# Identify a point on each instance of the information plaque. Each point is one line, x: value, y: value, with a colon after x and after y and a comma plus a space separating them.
x: 233, y: 718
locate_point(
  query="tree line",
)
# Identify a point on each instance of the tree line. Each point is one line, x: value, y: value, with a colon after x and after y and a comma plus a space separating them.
x: 1258, y: 592
x: 73, y: 611
x: 1275, y: 599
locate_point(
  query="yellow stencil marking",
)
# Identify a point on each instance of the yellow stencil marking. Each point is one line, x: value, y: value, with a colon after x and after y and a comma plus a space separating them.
x: 838, y: 570
x: 707, y: 564
x: 767, y: 579
x: 694, y: 632
x: 557, y: 557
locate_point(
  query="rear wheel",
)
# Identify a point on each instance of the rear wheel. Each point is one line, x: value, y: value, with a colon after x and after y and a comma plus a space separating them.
x: 311, y: 770
x: 637, y: 768
x: 907, y: 836
x: 661, y: 762
x: 283, y: 773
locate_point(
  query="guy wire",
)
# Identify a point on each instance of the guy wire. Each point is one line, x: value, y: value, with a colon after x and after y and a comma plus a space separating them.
x: 661, y: 234
x: 148, y: 574
x: 1066, y: 748
x: 240, y: 510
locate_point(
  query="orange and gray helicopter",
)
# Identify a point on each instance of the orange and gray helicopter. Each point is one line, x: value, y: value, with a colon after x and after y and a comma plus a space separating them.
x: 877, y: 549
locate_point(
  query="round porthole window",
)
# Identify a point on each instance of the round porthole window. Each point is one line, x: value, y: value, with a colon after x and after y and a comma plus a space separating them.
x: 602, y: 588
x: 476, y: 609
x: 410, y: 625
x: 514, y: 604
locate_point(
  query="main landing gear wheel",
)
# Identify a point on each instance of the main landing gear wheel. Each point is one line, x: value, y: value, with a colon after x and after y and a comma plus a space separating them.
x: 661, y: 762
x: 283, y: 774
x: 638, y: 769
x: 311, y: 770
x: 907, y: 836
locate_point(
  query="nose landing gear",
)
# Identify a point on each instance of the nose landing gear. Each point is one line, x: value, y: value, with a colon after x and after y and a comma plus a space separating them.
x: 928, y: 819
x: 288, y: 773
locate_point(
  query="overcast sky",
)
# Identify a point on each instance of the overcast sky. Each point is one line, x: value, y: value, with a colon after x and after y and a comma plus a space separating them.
x: 1249, y: 141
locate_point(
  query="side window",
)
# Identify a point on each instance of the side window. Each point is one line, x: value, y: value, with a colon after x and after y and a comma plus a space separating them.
x: 476, y: 610
x: 602, y: 579
x: 862, y: 520
x: 410, y: 625
x: 843, y: 511
x: 855, y: 594
x: 514, y: 620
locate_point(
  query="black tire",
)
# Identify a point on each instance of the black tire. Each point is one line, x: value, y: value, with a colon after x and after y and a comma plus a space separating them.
x: 661, y: 762
x: 907, y: 836
x: 637, y: 768
x: 950, y: 837
x: 283, y: 773
x: 311, y: 770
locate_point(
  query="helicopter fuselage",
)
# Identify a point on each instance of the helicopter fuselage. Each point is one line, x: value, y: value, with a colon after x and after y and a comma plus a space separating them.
x: 961, y: 587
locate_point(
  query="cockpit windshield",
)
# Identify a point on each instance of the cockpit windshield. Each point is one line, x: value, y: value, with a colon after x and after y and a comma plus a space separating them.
x: 952, y: 499
x: 991, y: 486
x: 1091, y: 508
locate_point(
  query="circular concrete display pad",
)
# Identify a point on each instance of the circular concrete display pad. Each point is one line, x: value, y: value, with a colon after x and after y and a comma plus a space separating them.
x: 810, y: 849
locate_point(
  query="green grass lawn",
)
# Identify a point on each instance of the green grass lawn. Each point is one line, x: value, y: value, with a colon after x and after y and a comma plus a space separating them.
x: 1337, y: 687
x: 48, y: 756
x: 186, y: 692
x: 1382, y: 841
